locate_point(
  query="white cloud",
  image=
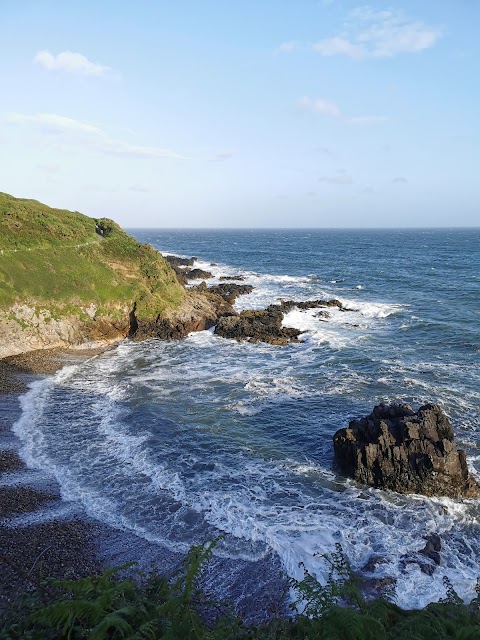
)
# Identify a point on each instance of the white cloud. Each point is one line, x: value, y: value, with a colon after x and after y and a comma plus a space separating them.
x: 379, y: 34
x: 52, y: 123
x: 332, y: 110
x: 286, y: 47
x: 339, y: 46
x: 320, y: 105
x: 139, y: 188
x: 87, y: 137
x: 70, y: 62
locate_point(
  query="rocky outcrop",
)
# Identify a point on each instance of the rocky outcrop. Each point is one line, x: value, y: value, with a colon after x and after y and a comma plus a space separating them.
x: 27, y: 328
x: 257, y: 326
x: 199, y: 311
x: 175, y: 261
x: 237, y: 278
x: 265, y: 325
x: 288, y: 305
x: 230, y: 291
x: 197, y: 274
x: 406, y: 451
x: 179, y: 266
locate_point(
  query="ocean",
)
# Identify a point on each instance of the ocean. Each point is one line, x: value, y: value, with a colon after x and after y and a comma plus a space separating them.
x: 182, y: 441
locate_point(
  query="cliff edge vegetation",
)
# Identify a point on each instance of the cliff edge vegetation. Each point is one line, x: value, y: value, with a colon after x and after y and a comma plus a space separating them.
x: 67, y: 279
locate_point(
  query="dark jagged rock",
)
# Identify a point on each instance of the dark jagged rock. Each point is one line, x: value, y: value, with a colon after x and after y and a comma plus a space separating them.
x: 197, y: 274
x: 237, y: 278
x: 406, y: 451
x: 230, y: 291
x: 265, y: 325
x: 287, y: 305
x: 257, y: 326
x: 428, y: 558
x: 175, y: 261
x: 198, y: 312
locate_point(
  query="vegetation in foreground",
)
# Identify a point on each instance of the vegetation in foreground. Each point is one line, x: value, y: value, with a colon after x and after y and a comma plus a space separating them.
x: 62, y: 260
x: 115, y: 606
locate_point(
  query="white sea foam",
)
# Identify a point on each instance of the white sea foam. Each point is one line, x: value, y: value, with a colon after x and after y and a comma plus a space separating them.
x: 163, y: 439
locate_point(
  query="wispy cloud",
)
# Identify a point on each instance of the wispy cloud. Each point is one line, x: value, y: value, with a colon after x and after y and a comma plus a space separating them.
x: 332, y: 110
x: 400, y: 180
x: 53, y: 123
x: 339, y: 46
x: 87, y: 137
x: 368, y: 33
x: 224, y: 156
x: 379, y: 34
x: 287, y: 47
x: 340, y: 178
x: 70, y: 62
x: 139, y: 188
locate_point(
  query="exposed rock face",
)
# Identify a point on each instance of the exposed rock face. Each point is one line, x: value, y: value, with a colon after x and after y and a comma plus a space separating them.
x: 266, y: 325
x: 26, y: 328
x: 198, y: 312
x: 257, y: 326
x: 287, y: 305
x: 230, y: 291
x: 179, y: 266
x: 238, y: 278
x: 175, y: 261
x: 197, y: 274
x: 406, y: 451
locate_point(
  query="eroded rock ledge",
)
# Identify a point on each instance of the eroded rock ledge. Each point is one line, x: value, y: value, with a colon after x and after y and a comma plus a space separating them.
x: 406, y: 451
x: 266, y: 325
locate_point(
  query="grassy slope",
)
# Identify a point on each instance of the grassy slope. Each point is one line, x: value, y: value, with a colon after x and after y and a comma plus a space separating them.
x: 48, y: 269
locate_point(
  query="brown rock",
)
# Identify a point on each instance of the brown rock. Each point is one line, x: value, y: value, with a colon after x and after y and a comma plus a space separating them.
x: 199, y: 311
x: 405, y: 451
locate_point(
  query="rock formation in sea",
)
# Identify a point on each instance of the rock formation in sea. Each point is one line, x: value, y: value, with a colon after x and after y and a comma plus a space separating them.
x: 199, y: 311
x: 197, y: 274
x: 230, y: 291
x: 257, y: 326
x: 402, y: 450
x: 264, y: 325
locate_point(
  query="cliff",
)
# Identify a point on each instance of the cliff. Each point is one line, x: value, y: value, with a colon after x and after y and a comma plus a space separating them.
x: 68, y: 280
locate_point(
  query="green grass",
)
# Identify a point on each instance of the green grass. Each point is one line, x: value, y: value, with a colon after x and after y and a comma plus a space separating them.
x: 42, y: 264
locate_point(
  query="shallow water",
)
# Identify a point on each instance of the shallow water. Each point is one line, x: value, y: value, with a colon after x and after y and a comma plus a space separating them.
x: 179, y: 441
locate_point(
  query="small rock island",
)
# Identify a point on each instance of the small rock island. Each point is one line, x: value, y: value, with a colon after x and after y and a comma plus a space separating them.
x: 402, y: 450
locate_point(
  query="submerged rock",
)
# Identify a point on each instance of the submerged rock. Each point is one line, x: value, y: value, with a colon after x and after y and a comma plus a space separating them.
x: 406, y: 451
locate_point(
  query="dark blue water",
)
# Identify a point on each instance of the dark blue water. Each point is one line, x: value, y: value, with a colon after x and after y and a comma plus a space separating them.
x: 180, y: 441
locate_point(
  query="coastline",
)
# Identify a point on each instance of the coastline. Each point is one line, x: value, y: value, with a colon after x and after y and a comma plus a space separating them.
x: 42, y: 535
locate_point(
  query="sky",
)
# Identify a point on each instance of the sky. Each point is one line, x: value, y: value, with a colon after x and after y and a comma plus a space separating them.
x: 259, y: 113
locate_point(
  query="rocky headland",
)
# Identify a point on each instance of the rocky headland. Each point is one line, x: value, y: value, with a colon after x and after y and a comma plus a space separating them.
x: 406, y: 451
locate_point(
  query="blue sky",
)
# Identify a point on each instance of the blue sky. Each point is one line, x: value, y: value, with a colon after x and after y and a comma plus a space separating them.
x: 260, y: 113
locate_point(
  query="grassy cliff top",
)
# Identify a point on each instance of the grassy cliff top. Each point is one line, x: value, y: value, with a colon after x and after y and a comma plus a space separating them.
x: 64, y: 259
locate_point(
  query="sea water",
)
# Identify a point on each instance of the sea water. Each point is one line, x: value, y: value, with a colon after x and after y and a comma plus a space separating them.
x: 182, y: 441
